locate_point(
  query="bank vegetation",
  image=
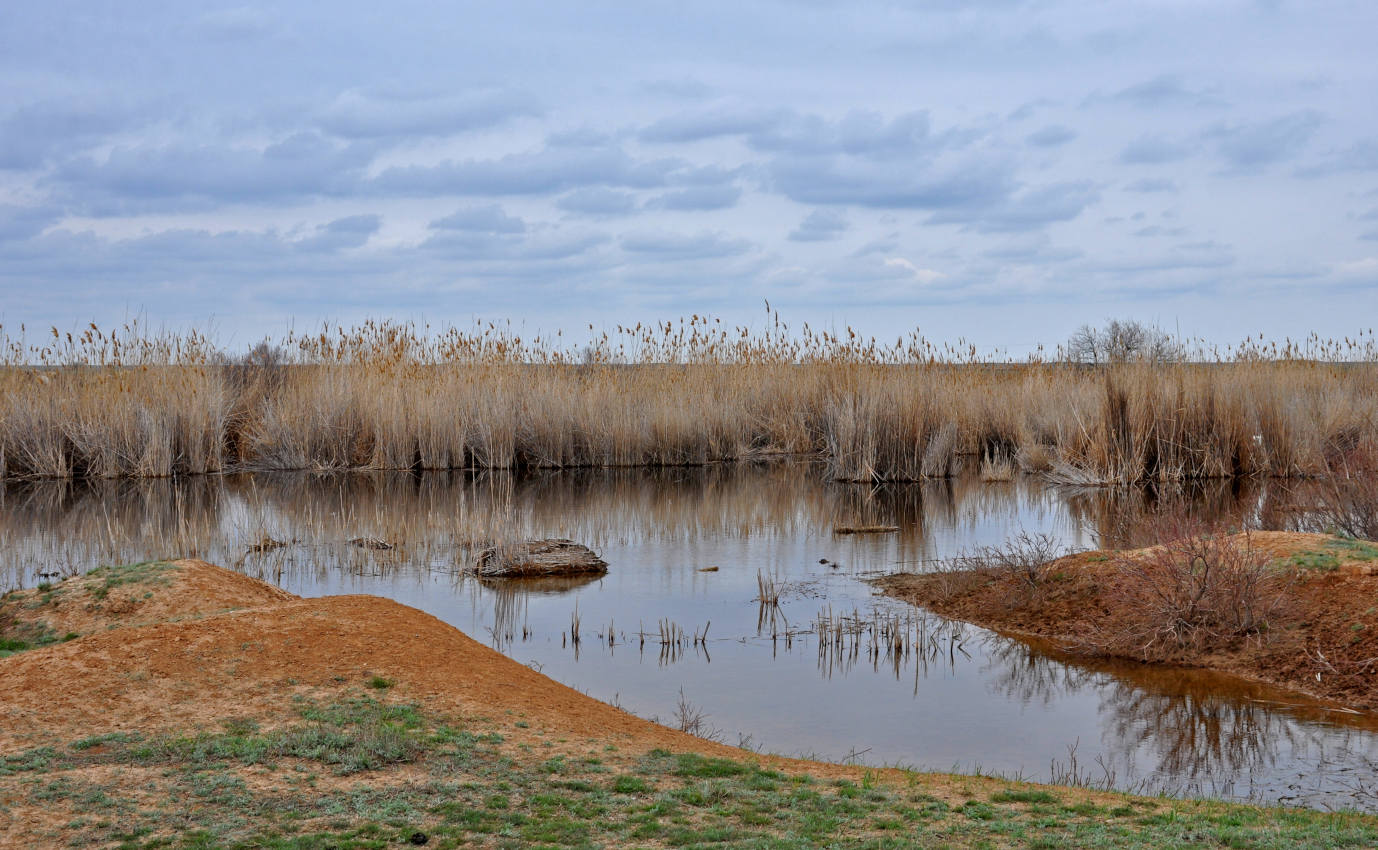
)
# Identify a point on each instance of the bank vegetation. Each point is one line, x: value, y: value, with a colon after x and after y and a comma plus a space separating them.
x: 130, y: 403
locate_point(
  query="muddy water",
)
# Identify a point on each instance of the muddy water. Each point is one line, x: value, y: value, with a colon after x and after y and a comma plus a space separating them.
x: 952, y: 697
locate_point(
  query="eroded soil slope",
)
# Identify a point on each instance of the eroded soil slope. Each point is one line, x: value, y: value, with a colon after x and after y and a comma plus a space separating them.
x: 195, y: 707
x: 1322, y: 639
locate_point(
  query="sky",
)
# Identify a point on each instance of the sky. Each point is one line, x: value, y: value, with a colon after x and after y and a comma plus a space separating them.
x: 995, y: 171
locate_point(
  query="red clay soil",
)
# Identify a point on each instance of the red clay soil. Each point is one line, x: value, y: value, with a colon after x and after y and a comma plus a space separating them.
x: 1322, y: 642
x: 120, y: 597
x: 195, y: 673
x: 198, y: 669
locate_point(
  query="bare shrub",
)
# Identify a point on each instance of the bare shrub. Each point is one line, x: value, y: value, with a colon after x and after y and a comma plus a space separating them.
x: 692, y: 719
x: 1349, y: 499
x: 1024, y: 559
x: 1194, y: 590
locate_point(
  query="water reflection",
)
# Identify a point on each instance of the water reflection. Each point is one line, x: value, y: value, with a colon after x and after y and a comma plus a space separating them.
x: 1191, y: 731
x: 796, y: 674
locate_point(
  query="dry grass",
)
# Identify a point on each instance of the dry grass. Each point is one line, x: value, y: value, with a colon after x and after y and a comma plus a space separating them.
x: 387, y: 396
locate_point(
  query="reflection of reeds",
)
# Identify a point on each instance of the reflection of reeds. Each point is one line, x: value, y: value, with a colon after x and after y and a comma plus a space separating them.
x: 443, y: 517
x: 388, y: 396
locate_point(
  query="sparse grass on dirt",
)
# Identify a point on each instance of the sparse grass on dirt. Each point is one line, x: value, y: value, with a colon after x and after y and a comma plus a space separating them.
x: 362, y: 773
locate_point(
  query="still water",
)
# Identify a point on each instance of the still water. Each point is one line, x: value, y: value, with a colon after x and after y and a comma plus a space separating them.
x: 959, y: 698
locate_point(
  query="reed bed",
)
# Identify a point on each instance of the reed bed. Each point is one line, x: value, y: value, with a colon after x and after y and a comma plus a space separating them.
x: 396, y: 396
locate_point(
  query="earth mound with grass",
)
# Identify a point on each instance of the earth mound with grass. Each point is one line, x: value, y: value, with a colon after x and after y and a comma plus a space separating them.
x: 126, y: 595
x: 1285, y: 608
x: 250, y: 717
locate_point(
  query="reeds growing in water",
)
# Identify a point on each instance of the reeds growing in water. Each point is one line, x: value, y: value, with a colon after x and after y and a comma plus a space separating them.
x: 395, y: 396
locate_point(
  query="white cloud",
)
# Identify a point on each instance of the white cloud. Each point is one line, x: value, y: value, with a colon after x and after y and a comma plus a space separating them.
x: 924, y: 276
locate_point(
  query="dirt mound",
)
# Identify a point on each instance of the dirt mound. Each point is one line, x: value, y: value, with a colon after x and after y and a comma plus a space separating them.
x: 1322, y: 638
x: 195, y: 672
x: 131, y: 595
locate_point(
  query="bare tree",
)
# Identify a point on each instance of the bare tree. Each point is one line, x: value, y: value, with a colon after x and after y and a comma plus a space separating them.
x: 1122, y: 341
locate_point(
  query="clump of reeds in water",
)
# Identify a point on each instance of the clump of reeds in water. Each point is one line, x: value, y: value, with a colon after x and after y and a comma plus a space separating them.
x: 381, y: 395
x: 877, y: 636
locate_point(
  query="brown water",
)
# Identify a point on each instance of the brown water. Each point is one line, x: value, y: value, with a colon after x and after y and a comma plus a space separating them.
x: 958, y: 697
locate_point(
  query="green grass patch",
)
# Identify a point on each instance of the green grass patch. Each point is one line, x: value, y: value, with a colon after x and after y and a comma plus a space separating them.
x: 246, y: 786
x: 22, y: 636
x: 145, y: 572
x: 1331, y: 554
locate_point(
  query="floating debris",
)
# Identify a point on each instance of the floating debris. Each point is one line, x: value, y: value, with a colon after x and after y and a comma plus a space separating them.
x: 865, y: 529
x: 371, y: 543
x: 552, y: 557
x: 267, y: 544
x: 708, y: 569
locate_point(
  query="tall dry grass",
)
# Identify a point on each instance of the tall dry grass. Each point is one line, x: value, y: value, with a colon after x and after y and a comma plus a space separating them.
x: 395, y: 396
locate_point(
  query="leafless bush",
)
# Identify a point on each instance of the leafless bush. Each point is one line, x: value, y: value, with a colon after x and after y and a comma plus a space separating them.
x: 1349, y: 499
x: 690, y: 718
x: 1024, y: 558
x: 1192, y: 591
x: 1120, y: 341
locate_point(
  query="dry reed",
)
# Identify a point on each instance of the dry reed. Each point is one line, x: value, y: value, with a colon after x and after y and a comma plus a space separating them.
x: 395, y: 396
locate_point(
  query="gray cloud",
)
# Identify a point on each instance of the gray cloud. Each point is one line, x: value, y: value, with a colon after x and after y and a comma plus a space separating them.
x: 1164, y: 91
x: 1028, y: 210
x: 598, y: 201
x: 713, y: 122
x: 850, y: 180
x: 1251, y: 146
x: 958, y: 138
x: 820, y: 226
x: 19, y: 222
x: 1151, y: 184
x: 489, y: 218
x: 542, y: 246
x: 666, y: 246
x: 342, y: 233
x: 360, y: 115
x: 43, y: 131
x: 771, y: 130
x: 698, y: 198
x: 1051, y: 136
x: 1032, y: 252
x: 302, y: 165
x: 543, y: 172
x: 1153, y: 150
x: 1154, y: 230
x: 1358, y: 157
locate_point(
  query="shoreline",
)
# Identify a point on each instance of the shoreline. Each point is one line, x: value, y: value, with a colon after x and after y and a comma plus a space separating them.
x: 1319, y: 646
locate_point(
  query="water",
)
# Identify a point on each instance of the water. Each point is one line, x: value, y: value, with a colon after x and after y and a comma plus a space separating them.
x: 966, y: 698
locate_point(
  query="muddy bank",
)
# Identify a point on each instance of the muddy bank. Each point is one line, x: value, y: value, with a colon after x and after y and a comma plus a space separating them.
x: 1316, y: 634
x: 204, y: 705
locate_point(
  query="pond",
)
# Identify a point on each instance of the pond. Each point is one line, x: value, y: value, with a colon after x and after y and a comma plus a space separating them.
x: 666, y: 636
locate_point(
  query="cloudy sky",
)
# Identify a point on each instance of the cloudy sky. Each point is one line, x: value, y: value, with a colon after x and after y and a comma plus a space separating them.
x: 995, y: 170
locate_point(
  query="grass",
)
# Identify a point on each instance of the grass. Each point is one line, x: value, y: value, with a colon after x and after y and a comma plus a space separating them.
x: 1329, y: 555
x: 21, y: 636
x: 390, y: 396
x: 358, y: 772
x: 143, y: 572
